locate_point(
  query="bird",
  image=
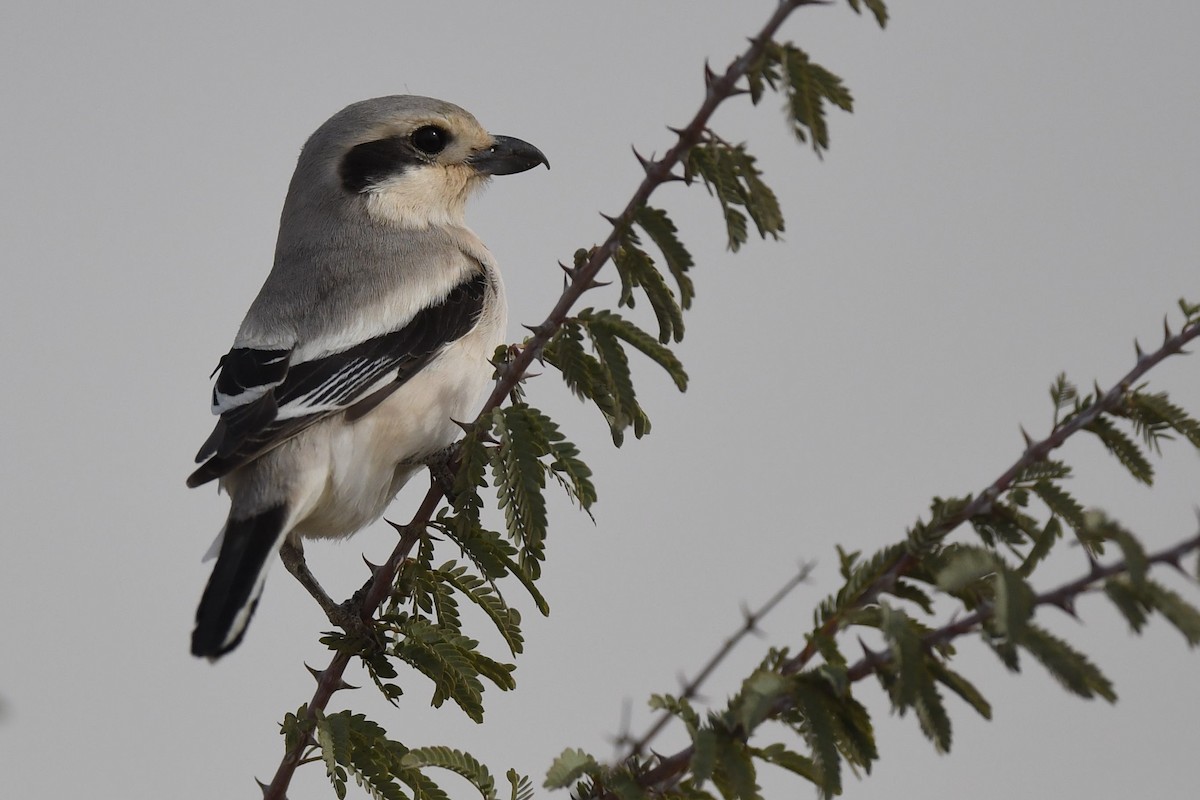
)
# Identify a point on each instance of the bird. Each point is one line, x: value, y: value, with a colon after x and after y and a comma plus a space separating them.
x: 369, y: 338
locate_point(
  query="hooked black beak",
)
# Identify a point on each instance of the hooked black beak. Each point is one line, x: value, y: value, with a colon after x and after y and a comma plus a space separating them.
x: 507, y: 156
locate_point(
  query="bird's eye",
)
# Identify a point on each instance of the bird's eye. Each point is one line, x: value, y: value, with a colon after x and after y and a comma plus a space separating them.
x: 430, y: 139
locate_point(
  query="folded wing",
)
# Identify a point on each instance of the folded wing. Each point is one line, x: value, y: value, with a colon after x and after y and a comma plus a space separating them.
x: 265, y: 398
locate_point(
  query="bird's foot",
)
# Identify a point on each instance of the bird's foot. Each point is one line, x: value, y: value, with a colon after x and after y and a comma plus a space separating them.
x: 347, y: 615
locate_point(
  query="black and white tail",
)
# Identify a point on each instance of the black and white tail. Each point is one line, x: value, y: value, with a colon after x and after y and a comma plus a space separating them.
x: 231, y: 595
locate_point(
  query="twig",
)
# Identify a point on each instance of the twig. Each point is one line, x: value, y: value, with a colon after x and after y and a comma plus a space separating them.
x: 1037, y: 451
x: 692, y: 687
x: 1062, y: 597
x: 671, y: 768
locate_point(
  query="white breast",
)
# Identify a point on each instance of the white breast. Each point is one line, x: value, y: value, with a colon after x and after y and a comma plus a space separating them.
x: 367, y: 461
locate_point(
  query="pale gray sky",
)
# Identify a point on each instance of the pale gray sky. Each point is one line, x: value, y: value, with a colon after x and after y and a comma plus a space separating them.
x: 1016, y: 194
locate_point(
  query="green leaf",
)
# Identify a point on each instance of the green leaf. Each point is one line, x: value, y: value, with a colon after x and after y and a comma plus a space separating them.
x: 1014, y: 604
x: 813, y: 702
x: 1155, y: 413
x: 662, y: 232
x: 637, y: 270
x: 908, y: 656
x: 456, y: 761
x: 965, y: 566
x: 1100, y: 527
x: 584, y: 375
x: 1050, y: 534
x: 484, y: 594
x: 622, y: 784
x: 1069, y: 667
x: 862, y: 576
x: 1061, y: 503
x: 522, y: 787
x: 931, y: 712
x: 1063, y: 394
x: 758, y: 697
x: 735, y: 774
x: 617, y: 326
x: 520, y: 477
x: 451, y: 661
x: 352, y: 744
x: 1184, y: 616
x: 1129, y: 601
x: 1124, y: 448
x: 677, y: 707
x: 906, y: 590
x: 960, y: 686
x: 810, y: 86
x: 853, y: 730
x: 877, y: 8
x: 704, y: 756
x: 780, y: 756
x: 730, y: 174
x: 570, y: 766
x: 1047, y: 470
x: 615, y: 368
x: 494, y: 557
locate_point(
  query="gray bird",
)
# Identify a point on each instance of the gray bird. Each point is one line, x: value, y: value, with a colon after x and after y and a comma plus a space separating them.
x: 371, y: 335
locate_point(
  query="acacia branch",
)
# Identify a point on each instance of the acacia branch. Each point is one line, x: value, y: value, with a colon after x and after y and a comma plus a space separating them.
x: 1108, y: 402
x: 691, y: 688
x: 1062, y: 597
x: 719, y: 89
x: 671, y: 769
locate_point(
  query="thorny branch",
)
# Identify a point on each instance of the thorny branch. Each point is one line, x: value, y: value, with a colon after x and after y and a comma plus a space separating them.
x: 1106, y: 403
x: 690, y: 689
x: 719, y: 89
x: 1062, y: 597
x: 671, y: 768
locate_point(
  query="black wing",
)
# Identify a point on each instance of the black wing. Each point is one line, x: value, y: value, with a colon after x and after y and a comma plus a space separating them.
x: 264, y: 399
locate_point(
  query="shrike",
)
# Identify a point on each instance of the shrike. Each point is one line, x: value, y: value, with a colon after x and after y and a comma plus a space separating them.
x: 371, y: 335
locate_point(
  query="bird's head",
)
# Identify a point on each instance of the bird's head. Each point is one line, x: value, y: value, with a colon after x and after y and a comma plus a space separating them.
x: 411, y: 161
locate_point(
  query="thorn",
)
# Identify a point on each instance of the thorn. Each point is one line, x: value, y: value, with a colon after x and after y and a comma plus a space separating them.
x: 1067, y: 604
x: 647, y: 164
x: 1028, y: 439
x: 374, y: 568
x: 870, y: 656
x: 319, y: 675
x: 672, y: 177
x: 611, y: 220
x: 677, y: 131
x: 467, y: 427
x: 709, y: 75
x: 737, y: 90
x: 536, y: 330
x: 1137, y: 348
x: 1166, y: 329
x: 263, y: 787
x: 571, y: 271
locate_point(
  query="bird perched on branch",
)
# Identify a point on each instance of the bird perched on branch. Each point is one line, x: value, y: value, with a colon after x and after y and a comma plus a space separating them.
x: 371, y: 335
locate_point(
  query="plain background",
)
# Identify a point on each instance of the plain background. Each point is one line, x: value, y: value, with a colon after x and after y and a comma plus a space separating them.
x: 1016, y: 194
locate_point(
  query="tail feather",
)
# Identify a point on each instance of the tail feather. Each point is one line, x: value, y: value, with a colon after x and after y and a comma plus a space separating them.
x: 237, y: 579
